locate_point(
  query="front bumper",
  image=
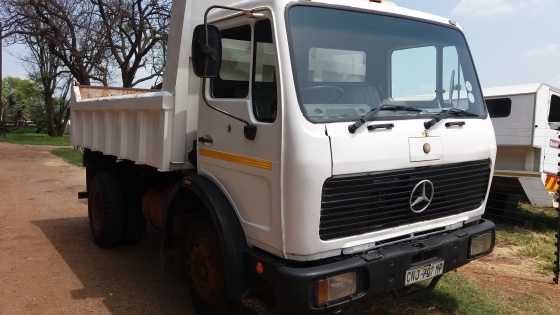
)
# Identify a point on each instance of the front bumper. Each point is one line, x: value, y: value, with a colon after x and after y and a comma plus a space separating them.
x: 379, y: 271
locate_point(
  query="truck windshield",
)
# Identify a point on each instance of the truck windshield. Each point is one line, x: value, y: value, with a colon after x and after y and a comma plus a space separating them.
x: 347, y: 63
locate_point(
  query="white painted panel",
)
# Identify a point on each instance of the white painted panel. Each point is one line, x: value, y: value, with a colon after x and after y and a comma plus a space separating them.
x: 142, y: 148
x: 123, y: 126
x: 75, y: 129
x: 88, y: 132
x: 97, y: 130
x: 517, y: 128
x: 535, y: 191
x: 431, y: 144
x: 132, y: 136
x: 255, y: 211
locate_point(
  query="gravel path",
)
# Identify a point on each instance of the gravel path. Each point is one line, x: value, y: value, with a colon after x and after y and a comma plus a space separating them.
x: 48, y: 263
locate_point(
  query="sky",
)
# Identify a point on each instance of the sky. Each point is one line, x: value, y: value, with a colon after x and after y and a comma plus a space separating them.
x: 512, y: 41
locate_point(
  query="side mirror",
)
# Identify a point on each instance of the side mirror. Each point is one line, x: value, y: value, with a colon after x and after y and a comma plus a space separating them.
x: 207, y: 52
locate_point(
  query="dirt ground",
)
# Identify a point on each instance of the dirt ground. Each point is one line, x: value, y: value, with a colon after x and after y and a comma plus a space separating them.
x: 48, y: 264
x: 516, y: 280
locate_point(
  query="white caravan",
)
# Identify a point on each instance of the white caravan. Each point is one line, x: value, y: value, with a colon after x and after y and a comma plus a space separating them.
x: 309, y: 154
x: 525, y: 118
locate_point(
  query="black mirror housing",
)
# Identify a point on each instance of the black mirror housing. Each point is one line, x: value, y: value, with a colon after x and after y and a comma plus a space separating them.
x: 207, y: 53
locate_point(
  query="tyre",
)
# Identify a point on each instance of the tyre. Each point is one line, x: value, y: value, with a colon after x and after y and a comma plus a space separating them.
x: 105, y: 210
x: 135, y: 226
x: 131, y: 187
x: 205, y: 269
x: 135, y: 223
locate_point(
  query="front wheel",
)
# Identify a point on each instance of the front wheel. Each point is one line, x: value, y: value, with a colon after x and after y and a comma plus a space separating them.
x: 205, y: 273
x: 205, y: 269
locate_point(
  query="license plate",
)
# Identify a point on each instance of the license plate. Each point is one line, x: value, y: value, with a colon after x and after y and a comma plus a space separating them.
x: 424, y: 272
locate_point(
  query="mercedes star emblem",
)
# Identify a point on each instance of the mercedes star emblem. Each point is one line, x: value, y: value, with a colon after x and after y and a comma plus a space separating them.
x: 421, y: 196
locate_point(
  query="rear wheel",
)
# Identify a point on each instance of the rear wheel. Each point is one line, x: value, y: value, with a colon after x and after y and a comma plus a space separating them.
x: 135, y: 223
x: 135, y: 226
x: 105, y: 210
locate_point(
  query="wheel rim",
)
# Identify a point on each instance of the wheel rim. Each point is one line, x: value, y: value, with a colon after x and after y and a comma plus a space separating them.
x: 206, y: 271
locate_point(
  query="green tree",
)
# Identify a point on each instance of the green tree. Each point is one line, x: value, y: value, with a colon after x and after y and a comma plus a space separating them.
x: 21, y: 95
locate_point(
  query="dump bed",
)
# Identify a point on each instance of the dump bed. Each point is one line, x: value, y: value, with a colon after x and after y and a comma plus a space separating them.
x: 129, y: 124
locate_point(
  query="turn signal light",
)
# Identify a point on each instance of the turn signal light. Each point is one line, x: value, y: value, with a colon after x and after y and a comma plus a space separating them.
x: 335, y: 288
x: 481, y: 244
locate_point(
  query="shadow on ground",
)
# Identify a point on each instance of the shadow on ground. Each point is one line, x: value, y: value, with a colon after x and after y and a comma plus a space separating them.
x: 433, y: 302
x: 129, y: 280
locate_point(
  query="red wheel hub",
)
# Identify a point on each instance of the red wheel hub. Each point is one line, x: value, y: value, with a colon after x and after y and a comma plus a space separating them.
x: 206, y: 270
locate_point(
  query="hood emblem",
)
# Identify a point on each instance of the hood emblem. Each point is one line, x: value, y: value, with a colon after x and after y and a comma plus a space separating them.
x: 427, y: 148
x: 422, y: 196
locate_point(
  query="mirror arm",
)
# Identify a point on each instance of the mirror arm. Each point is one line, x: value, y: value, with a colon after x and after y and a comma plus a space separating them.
x: 250, y: 130
x: 248, y: 13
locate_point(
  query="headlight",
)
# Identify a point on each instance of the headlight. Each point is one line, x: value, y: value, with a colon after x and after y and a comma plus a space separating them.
x: 481, y: 244
x: 335, y: 288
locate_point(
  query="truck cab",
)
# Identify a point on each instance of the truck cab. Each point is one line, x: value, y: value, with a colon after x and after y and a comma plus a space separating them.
x: 340, y: 149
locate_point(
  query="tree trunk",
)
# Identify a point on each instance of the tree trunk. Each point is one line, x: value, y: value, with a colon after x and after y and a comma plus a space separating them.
x: 62, y: 123
x: 49, y: 111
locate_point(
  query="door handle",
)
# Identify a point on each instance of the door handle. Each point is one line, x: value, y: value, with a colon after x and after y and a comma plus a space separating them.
x: 455, y: 124
x: 206, y: 139
x: 382, y: 126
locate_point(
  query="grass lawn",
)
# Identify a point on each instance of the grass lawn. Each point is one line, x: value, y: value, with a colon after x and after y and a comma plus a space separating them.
x: 457, y: 295
x: 29, y: 136
x: 69, y: 155
x: 536, y: 240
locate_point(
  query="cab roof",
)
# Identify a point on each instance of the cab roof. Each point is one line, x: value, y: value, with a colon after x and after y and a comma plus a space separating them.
x: 384, y: 6
x: 381, y: 6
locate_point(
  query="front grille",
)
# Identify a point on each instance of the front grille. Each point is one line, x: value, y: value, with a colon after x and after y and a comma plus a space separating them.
x: 363, y: 203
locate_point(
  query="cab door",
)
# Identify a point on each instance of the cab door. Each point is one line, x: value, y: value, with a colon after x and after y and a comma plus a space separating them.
x: 247, y: 170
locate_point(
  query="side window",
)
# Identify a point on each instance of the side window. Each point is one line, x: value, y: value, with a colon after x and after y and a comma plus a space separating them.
x: 408, y: 68
x: 554, y: 115
x: 499, y: 107
x: 233, y: 81
x: 265, y: 97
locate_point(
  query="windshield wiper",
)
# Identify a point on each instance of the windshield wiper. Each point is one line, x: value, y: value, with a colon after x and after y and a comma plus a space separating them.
x: 452, y: 112
x: 374, y: 111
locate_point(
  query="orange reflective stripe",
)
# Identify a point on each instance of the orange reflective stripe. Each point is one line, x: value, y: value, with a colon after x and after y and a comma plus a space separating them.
x: 237, y: 159
x: 551, y: 183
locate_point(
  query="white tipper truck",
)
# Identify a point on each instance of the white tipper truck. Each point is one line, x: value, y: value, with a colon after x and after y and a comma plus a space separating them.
x: 304, y: 154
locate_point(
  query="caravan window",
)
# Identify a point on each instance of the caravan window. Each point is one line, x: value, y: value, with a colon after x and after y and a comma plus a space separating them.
x: 554, y: 115
x: 499, y: 107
